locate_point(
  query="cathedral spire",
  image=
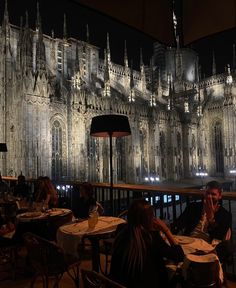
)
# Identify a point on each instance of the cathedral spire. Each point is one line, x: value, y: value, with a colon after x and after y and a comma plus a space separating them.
x: 229, y: 78
x: 131, y: 95
x: 87, y: 34
x: 64, y: 29
x: 142, y: 70
x: 199, y: 72
x: 196, y: 71
x: 40, y: 47
x: 6, y: 15
x: 169, y: 104
x: 159, y: 84
x: 20, y: 43
x: 108, y: 49
x: 178, y: 64
x: 141, y: 57
x: 141, y: 62
x: 106, y: 67
x: 6, y: 27
x: 126, y: 63
x: 234, y: 58
x: 26, y: 47
x: 152, y: 96
x: 107, y: 89
x: 77, y: 64
x: 213, y: 63
x: 26, y: 20
x: 38, y: 19
x: 131, y: 75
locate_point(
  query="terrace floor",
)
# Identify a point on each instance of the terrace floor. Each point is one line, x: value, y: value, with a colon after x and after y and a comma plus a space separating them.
x: 23, y: 281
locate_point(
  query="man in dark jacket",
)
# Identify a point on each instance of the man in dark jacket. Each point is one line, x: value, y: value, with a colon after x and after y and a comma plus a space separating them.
x: 207, y: 219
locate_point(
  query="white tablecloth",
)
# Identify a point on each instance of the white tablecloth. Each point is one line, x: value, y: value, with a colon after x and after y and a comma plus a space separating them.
x: 192, y: 245
x: 69, y: 236
x: 195, y: 245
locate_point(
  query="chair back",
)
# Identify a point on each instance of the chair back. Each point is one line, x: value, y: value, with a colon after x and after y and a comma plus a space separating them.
x: 92, y: 279
x: 203, y: 274
x: 123, y: 214
x: 99, y: 208
x: 45, y: 257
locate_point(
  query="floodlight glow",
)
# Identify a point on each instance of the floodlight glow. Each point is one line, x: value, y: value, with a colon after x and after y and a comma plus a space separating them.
x: 202, y: 174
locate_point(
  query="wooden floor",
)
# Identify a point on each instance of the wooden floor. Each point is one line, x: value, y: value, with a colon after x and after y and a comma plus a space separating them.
x: 23, y: 281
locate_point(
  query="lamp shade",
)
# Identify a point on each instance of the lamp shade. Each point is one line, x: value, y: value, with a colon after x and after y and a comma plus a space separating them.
x: 3, y: 147
x: 110, y: 125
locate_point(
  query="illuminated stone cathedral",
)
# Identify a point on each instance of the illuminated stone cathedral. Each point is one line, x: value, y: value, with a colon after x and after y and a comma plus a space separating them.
x: 51, y: 88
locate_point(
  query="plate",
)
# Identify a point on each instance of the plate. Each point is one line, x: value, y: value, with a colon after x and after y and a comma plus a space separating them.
x: 56, y: 212
x: 184, y: 239
x: 30, y: 215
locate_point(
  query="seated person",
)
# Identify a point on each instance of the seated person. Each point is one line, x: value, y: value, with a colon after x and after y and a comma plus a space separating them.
x: 46, y: 192
x: 6, y: 226
x: 207, y: 219
x: 139, y: 249
x: 21, y: 189
x: 3, y: 186
x: 86, y: 202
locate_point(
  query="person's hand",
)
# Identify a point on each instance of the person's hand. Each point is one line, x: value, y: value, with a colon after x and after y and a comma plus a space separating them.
x: 160, y: 225
x: 210, y: 208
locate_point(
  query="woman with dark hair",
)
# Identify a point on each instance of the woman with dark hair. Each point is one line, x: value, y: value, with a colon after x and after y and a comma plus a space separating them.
x: 46, y: 192
x: 139, y: 249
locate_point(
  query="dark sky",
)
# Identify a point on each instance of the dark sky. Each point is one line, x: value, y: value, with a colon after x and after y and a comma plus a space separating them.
x: 52, y: 14
x: 222, y: 44
x: 78, y: 16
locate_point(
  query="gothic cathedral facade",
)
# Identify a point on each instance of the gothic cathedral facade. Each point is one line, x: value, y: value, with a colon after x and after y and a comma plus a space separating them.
x: 50, y: 89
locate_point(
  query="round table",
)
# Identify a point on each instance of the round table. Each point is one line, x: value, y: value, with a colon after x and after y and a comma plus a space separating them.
x: 195, y: 250
x: 70, y: 236
x: 44, y: 224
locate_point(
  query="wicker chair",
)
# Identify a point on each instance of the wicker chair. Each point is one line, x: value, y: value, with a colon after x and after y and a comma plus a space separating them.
x: 9, y: 256
x: 92, y: 279
x: 48, y: 261
x: 107, y: 245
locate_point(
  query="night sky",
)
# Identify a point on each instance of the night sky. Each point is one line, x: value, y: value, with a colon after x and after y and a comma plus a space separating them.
x: 52, y: 13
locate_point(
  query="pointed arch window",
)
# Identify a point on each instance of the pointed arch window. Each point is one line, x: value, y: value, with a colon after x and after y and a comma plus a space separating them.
x: 56, y: 150
x: 218, y: 147
x: 92, y: 158
x: 179, y: 143
x: 163, y: 153
x: 120, y: 159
